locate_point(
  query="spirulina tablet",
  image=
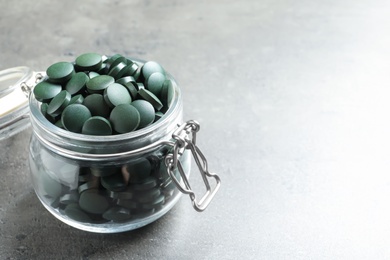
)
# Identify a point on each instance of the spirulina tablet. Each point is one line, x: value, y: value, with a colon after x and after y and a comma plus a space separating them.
x: 154, y: 82
x: 77, y: 99
x: 129, y: 204
x: 93, y: 74
x: 77, y: 83
x: 151, y: 98
x: 58, y: 103
x: 99, y: 83
x: 151, y: 67
x: 97, y: 105
x: 114, y: 182
x: 89, y: 61
x: 147, y: 196
x: 97, y: 125
x: 74, y: 212
x: 126, y: 194
x: 125, y: 80
x: 116, y: 94
x: 104, y: 171
x: 74, y: 116
x: 167, y: 93
x: 158, y: 116
x: 124, y: 118
x: 146, y: 111
x: 116, y: 69
x: 69, y: 198
x: 155, y: 203
x: 128, y: 70
x: 59, y: 124
x: 93, y: 202
x: 117, y: 214
x: 146, y: 184
x: 45, y: 91
x: 139, y: 170
x: 60, y: 72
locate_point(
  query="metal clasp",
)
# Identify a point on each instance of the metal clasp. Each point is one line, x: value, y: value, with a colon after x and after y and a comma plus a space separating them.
x: 185, y: 138
x: 27, y: 88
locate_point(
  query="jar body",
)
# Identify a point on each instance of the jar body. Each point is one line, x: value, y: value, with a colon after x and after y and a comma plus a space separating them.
x: 105, y: 184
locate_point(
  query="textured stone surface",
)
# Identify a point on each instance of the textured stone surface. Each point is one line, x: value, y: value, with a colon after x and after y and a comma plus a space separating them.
x: 293, y: 101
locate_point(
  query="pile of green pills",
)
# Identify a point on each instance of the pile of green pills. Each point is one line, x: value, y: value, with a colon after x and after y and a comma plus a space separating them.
x: 107, y: 194
x: 100, y: 95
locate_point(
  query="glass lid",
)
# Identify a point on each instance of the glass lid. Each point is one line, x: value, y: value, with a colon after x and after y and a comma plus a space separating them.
x: 14, y: 100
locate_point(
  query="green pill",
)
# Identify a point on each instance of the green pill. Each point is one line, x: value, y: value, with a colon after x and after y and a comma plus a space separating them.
x: 128, y: 70
x: 89, y: 61
x: 151, y: 98
x: 158, y: 116
x: 78, y: 99
x: 118, y: 60
x: 60, y: 72
x: 93, y: 74
x: 138, y: 74
x: 130, y: 83
x: 97, y: 125
x: 114, y: 182
x: 91, y: 184
x: 155, y: 203
x: 44, y: 91
x: 93, y: 202
x: 59, y: 124
x: 117, y: 214
x: 104, y: 171
x: 154, y: 83
x: 99, y: 83
x: 167, y: 93
x: 146, y: 184
x: 44, y: 107
x: 51, y: 186
x: 131, y: 87
x: 59, y: 103
x: 126, y: 194
x: 116, y: 69
x: 74, y: 212
x: 77, y: 83
x: 139, y: 170
x: 97, y: 105
x: 116, y: 94
x: 125, y: 80
x: 146, y: 111
x: 147, y: 196
x: 151, y: 67
x: 74, y: 116
x: 129, y: 204
x: 124, y: 118
x: 69, y: 198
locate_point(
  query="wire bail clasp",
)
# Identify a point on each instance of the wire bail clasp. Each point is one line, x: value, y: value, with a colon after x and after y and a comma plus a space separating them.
x: 27, y: 88
x: 185, y: 138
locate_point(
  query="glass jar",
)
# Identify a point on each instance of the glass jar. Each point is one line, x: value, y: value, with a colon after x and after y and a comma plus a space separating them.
x: 109, y: 184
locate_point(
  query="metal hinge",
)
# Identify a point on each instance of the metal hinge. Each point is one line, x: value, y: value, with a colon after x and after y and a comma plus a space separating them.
x: 185, y: 138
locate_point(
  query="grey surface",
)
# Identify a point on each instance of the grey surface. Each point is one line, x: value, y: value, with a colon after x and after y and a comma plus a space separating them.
x: 293, y: 99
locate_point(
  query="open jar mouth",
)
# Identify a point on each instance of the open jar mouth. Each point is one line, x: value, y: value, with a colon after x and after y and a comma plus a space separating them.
x: 79, y: 146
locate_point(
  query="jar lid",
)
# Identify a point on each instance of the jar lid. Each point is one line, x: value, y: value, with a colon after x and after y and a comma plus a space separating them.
x: 14, y: 107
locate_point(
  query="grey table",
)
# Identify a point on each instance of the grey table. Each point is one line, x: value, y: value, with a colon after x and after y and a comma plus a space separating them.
x: 293, y: 100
